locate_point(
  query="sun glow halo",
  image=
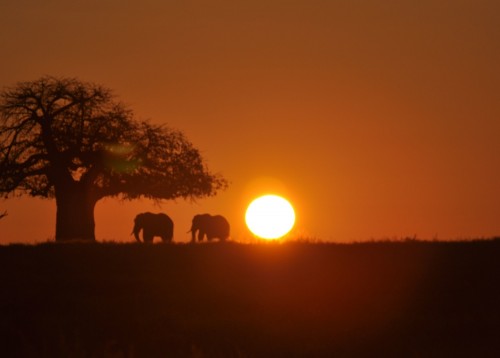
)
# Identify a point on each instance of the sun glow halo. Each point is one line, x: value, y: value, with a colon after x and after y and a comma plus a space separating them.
x: 270, y: 217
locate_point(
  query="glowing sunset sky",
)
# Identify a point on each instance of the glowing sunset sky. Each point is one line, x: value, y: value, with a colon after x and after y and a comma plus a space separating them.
x: 375, y: 118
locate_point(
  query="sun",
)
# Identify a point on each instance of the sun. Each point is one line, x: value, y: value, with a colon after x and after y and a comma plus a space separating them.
x: 270, y: 217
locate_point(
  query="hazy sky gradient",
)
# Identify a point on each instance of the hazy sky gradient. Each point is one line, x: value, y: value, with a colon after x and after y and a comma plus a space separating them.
x: 376, y: 118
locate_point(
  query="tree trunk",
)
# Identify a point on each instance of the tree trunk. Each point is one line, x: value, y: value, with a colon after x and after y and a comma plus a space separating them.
x: 75, y: 214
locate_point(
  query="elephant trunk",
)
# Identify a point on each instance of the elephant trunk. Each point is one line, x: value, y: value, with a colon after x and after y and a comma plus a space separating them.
x: 193, y: 233
x: 135, y: 231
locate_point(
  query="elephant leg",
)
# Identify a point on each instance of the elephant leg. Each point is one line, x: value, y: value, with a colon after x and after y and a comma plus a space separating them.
x: 147, y: 237
x: 201, y: 234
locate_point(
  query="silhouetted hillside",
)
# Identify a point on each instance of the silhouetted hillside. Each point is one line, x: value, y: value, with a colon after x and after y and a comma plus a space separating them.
x: 263, y: 300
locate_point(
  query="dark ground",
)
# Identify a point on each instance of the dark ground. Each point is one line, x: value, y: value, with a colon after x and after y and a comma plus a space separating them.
x: 407, y: 299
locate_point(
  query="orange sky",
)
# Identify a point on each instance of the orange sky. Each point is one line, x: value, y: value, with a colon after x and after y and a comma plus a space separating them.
x: 377, y: 119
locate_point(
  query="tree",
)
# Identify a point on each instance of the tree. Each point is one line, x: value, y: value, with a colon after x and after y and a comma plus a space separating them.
x: 71, y: 141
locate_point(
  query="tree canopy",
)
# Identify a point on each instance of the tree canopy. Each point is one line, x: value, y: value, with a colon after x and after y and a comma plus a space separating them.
x: 73, y: 141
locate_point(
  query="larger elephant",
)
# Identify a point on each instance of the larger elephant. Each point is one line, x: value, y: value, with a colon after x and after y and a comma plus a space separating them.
x: 153, y: 225
x: 211, y: 226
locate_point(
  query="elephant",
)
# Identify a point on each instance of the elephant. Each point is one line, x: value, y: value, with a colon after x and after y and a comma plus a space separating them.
x: 212, y: 226
x: 153, y: 225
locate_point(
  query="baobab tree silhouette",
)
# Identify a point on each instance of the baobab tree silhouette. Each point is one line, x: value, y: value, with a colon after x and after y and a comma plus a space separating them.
x: 70, y: 140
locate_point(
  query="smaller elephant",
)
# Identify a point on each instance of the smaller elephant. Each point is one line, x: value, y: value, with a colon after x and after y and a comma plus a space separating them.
x: 153, y: 225
x: 212, y: 226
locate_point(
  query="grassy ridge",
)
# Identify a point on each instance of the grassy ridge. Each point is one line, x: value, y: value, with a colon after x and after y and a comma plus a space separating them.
x: 391, y: 299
